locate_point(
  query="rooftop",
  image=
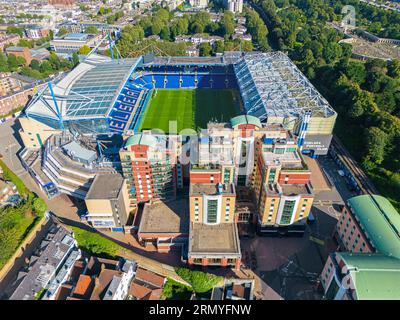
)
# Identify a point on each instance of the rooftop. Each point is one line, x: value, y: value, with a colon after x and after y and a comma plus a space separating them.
x: 76, y: 36
x: 245, y: 119
x: 149, y: 277
x: 376, y: 277
x: 288, y: 189
x: 221, y: 238
x: 170, y: 217
x: 272, y: 85
x: 380, y: 221
x: 87, y: 91
x: 48, y: 256
x: 105, y: 186
x: 288, y: 159
x: 211, y: 189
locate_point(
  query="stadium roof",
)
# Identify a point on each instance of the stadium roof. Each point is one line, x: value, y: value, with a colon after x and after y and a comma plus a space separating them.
x: 88, y: 91
x: 375, y: 276
x: 271, y: 85
x: 380, y: 221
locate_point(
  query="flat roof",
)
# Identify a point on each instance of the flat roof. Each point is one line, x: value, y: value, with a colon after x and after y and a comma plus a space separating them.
x: 76, y: 150
x: 165, y: 217
x: 76, y: 36
x: 211, y: 189
x: 220, y: 238
x: 288, y: 189
x: 105, y: 186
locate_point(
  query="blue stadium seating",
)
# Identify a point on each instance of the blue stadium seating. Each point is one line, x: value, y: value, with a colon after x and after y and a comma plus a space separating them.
x: 203, y: 81
x: 173, y: 82
x: 188, y: 81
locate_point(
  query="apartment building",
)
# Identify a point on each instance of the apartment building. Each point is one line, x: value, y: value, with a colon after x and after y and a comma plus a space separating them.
x: 149, y: 165
x: 8, y: 84
x: 235, y: 6
x: 36, y: 32
x: 107, y: 202
x: 198, y: 3
x: 8, y: 39
x: 213, y: 234
x: 280, y: 182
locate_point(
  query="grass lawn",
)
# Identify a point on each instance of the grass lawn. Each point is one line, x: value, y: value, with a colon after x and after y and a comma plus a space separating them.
x: 97, y: 245
x: 191, y: 108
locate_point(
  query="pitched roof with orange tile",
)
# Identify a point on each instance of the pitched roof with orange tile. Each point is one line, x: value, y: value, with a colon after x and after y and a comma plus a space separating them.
x: 83, y: 285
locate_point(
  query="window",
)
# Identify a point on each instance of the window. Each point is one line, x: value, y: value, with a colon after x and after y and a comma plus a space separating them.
x: 212, y: 208
x: 287, y: 211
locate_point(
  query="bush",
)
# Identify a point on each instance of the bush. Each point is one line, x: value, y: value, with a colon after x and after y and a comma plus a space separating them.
x: 96, y: 244
x: 200, y: 281
x: 39, y: 206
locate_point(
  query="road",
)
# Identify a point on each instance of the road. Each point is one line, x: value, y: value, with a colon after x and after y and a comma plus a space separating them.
x: 331, y: 169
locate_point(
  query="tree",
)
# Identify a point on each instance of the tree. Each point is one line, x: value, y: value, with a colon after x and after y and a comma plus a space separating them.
x: 25, y: 43
x: 75, y: 59
x: 200, y: 281
x: 205, y: 49
x: 247, y: 46
x: 84, y: 50
x: 39, y: 206
x: 91, y: 30
x: 165, y: 33
x: 3, y: 63
x: 62, y: 31
x: 375, y: 143
x: 15, y: 62
x: 219, y: 46
x: 35, y: 65
x: 394, y: 69
x: 46, y: 68
x: 14, y: 30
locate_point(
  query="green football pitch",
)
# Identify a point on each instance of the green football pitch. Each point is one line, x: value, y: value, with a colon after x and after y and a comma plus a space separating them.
x: 190, y: 108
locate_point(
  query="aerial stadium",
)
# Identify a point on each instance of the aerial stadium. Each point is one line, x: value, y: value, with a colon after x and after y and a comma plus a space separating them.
x: 114, y: 96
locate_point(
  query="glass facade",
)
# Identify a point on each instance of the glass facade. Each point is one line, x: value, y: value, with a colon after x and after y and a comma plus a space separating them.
x: 212, y: 211
x: 287, y: 211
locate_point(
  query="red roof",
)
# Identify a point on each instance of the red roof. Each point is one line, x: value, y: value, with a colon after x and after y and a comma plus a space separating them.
x: 141, y: 292
x: 83, y: 285
x: 150, y: 277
